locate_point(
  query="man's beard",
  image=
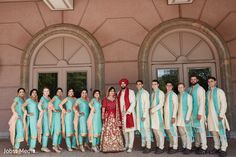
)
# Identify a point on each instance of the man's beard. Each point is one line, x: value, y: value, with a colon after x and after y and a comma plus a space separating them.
x: 194, y: 83
x: 123, y: 87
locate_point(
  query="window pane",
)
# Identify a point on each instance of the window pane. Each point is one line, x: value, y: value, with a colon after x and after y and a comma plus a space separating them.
x: 202, y: 73
x: 77, y: 81
x: 168, y: 75
x: 47, y: 80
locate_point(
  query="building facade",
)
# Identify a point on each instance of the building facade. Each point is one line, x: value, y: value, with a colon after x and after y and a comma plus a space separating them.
x: 99, y: 42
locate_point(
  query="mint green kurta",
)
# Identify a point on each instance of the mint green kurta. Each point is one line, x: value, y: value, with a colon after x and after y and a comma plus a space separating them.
x: 19, y: 123
x: 45, y: 120
x: 56, y: 117
x: 69, y: 117
x: 83, y: 107
x: 32, y: 108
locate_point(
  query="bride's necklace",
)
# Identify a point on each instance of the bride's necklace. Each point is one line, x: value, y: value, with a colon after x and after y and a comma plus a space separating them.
x: 110, y: 98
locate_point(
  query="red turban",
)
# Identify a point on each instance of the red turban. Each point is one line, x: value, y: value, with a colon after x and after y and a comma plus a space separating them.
x: 124, y: 80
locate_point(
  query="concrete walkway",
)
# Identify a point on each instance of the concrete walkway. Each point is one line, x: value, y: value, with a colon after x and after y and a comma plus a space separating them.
x: 5, y: 149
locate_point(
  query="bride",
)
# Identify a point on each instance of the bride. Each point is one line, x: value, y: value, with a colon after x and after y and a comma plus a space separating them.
x: 111, y: 138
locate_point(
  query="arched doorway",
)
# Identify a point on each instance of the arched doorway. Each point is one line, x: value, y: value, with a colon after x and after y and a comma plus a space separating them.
x: 63, y: 56
x: 180, y: 46
x: 179, y: 54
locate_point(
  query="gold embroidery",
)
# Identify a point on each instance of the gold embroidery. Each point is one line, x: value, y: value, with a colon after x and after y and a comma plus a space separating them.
x: 111, y: 138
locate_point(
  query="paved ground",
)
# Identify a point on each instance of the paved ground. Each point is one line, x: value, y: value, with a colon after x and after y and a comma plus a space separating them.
x: 5, y: 146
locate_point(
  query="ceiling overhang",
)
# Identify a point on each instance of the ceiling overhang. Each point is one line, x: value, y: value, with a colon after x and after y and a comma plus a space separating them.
x: 59, y: 4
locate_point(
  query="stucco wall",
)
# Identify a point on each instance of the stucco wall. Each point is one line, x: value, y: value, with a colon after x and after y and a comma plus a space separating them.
x: 119, y: 26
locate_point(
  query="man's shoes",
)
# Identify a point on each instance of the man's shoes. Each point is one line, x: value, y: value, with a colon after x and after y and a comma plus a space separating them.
x: 169, y: 148
x: 142, y: 148
x: 181, y: 149
x: 126, y: 148
x: 196, y: 149
x: 147, y: 150
x: 222, y: 154
x: 214, y: 151
x: 187, y: 151
x: 202, y: 151
x: 159, y: 151
x: 172, y: 151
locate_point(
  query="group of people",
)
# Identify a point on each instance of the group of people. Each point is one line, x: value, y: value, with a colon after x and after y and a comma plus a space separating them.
x: 109, y: 124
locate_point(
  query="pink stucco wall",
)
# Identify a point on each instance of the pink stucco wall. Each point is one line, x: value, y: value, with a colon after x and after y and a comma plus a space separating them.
x: 119, y: 26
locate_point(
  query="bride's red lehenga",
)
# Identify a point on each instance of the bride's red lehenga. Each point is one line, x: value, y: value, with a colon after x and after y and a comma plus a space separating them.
x: 111, y: 138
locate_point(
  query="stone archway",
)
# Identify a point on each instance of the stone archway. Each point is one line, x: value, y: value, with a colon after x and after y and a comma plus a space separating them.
x: 67, y: 30
x: 214, y: 39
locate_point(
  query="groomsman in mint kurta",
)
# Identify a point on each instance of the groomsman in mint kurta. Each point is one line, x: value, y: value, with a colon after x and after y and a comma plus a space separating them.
x: 184, y: 122
x: 156, y: 114
x: 198, y: 115
x: 217, y: 121
x: 142, y: 116
x: 170, y: 115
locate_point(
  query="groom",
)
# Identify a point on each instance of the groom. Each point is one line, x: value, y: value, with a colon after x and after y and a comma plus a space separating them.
x: 126, y: 101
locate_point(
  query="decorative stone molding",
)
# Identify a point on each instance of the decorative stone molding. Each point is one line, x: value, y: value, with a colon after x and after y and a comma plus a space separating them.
x: 183, y: 23
x: 71, y: 30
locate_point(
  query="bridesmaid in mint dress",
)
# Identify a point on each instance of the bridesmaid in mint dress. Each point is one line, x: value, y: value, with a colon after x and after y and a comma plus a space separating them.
x: 16, y: 108
x: 30, y: 108
x: 56, y: 120
x: 67, y: 110
x: 83, y: 109
x: 44, y: 119
x: 95, y: 120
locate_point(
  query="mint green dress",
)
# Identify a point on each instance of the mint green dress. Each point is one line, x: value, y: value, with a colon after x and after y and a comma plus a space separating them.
x: 83, y: 107
x: 56, y: 117
x: 45, y: 120
x: 56, y: 125
x: 69, y: 117
x: 19, y: 135
x: 32, y: 108
x: 97, y: 119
